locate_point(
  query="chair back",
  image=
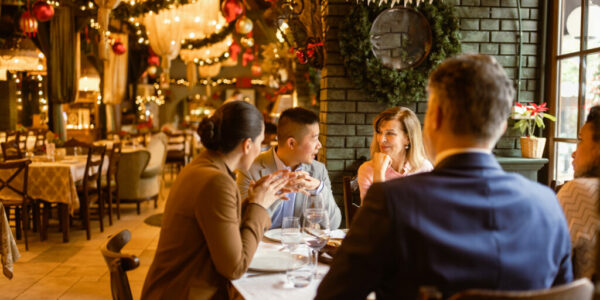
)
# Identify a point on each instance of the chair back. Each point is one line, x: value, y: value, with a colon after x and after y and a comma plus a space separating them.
x: 113, y: 136
x: 11, y: 150
x: 40, y: 139
x: 350, y: 188
x: 113, y: 163
x: 93, y: 168
x: 16, y: 185
x: 581, y: 289
x: 118, y: 264
x: 12, y: 135
x: 176, y: 144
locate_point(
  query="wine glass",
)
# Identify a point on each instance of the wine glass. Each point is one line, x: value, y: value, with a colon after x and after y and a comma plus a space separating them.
x: 291, y: 236
x: 316, y: 227
x: 314, y: 202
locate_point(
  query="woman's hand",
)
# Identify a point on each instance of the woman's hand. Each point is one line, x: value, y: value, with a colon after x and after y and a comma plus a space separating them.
x: 381, y: 162
x: 270, y: 188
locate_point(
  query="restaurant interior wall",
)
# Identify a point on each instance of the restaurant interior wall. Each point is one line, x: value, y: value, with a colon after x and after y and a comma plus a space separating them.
x: 8, y: 105
x: 346, y: 113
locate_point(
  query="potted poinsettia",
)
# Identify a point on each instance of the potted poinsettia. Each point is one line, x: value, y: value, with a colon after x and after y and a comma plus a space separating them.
x: 529, y: 118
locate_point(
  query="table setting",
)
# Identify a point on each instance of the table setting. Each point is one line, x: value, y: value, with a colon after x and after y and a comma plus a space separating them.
x: 291, y: 261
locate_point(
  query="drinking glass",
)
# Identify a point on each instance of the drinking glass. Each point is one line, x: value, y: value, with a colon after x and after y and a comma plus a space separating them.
x: 50, y: 149
x: 315, y: 202
x: 291, y: 236
x: 299, y: 271
x: 316, y: 227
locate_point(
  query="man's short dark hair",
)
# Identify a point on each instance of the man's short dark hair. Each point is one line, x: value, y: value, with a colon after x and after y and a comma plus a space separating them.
x: 474, y: 93
x: 293, y: 122
x: 594, y: 119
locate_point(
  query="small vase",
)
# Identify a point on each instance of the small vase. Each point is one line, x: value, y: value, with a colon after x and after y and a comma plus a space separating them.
x: 532, y: 147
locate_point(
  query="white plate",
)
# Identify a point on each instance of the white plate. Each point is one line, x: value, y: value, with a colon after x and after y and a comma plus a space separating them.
x: 275, y: 234
x: 276, y: 261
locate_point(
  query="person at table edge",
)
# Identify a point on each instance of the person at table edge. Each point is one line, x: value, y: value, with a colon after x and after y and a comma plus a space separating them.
x: 466, y: 224
x: 298, y: 143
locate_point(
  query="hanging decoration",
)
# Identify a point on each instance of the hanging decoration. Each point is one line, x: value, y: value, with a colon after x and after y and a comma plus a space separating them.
x: 243, y: 25
x: 211, y: 60
x: 232, y: 9
x: 247, y: 57
x: 247, y: 42
x: 104, y: 9
x: 118, y: 48
x: 235, y: 50
x: 312, y: 53
x: 165, y: 31
x: 28, y: 24
x: 256, y: 70
x: 213, y: 38
x: 384, y: 84
x: 395, y: 2
x: 126, y: 11
x: 209, y: 71
x: 43, y: 11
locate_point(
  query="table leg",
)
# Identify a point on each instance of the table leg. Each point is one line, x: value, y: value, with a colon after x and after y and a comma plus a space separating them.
x: 45, y: 217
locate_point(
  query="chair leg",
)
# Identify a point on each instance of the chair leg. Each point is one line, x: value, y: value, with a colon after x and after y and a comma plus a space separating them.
x: 35, y: 208
x: 109, y: 198
x: 156, y: 201
x: 85, y: 216
x: 118, y: 205
x: 138, y: 207
x: 25, y: 212
x: 44, y: 223
x: 101, y: 211
x: 18, y: 222
x: 63, y: 215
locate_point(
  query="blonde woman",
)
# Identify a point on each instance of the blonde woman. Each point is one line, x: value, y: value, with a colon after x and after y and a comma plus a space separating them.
x: 396, y: 150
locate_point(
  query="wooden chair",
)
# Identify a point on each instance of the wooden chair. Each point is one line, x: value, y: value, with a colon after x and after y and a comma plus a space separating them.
x: 40, y: 140
x: 89, y: 190
x: 113, y: 136
x: 11, y: 150
x: 110, y: 186
x: 18, y: 198
x: 176, y: 157
x: 581, y: 289
x: 118, y: 264
x: 350, y: 189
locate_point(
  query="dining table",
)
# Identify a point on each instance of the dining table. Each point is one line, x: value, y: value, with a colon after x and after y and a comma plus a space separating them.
x: 273, y: 285
x: 54, y: 181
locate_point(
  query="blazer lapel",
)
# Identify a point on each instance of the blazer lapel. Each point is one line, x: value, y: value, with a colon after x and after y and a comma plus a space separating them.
x: 268, y: 163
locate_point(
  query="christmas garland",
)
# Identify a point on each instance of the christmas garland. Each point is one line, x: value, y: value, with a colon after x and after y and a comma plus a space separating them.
x: 387, y: 85
x: 213, y: 60
x: 125, y: 11
x: 213, y: 38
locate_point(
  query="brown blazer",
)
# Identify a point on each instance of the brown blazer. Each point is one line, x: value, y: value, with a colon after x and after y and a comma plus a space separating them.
x: 204, y: 240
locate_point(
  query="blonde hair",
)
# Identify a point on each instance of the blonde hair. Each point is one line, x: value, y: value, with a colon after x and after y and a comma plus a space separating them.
x: 415, y: 154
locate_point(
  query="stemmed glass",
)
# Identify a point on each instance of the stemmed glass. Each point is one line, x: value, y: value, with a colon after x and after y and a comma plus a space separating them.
x: 291, y: 236
x: 316, y: 226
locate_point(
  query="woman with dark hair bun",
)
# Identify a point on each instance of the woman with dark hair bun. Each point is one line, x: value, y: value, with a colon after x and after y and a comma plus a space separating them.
x: 206, y: 240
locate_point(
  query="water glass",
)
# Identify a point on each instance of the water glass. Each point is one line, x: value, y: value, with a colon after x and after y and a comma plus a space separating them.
x: 315, y: 202
x: 316, y: 227
x: 291, y: 236
x: 299, y: 272
x: 50, y: 150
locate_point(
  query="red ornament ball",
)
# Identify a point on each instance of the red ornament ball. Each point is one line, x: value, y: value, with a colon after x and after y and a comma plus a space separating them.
x: 28, y: 24
x: 118, y: 48
x: 153, y: 60
x: 256, y: 70
x: 43, y: 11
x: 232, y: 9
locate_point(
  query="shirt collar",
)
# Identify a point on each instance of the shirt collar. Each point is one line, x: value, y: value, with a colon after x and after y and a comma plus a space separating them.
x: 281, y: 165
x: 449, y: 152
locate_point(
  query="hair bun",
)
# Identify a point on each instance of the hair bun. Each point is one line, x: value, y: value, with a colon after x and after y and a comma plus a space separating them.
x: 208, y: 134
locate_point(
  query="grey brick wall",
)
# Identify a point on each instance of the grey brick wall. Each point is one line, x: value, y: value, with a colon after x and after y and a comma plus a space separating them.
x: 346, y: 113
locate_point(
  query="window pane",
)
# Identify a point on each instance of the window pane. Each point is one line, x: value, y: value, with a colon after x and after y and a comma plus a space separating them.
x: 568, y: 85
x: 563, y: 168
x: 592, y: 25
x: 592, y: 82
x: 570, y: 26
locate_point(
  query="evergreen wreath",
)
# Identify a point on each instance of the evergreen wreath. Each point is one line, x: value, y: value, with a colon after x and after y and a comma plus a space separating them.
x: 387, y: 85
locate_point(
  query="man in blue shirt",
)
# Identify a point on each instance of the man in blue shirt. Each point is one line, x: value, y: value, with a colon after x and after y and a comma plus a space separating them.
x: 298, y: 144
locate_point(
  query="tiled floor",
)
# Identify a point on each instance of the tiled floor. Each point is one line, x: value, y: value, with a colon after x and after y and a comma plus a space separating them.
x: 76, y: 270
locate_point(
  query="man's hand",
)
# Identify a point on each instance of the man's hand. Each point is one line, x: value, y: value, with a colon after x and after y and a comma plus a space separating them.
x: 302, y: 182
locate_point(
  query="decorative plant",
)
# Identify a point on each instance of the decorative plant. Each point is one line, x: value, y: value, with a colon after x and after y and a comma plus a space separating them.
x: 530, y: 116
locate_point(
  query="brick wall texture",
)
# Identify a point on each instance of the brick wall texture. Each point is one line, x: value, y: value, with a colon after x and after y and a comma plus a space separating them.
x: 346, y: 113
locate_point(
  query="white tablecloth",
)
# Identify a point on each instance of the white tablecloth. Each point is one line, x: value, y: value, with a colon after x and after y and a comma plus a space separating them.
x: 9, y: 253
x: 272, y: 286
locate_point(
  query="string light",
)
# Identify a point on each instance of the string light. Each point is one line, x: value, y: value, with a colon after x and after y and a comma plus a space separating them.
x: 221, y: 81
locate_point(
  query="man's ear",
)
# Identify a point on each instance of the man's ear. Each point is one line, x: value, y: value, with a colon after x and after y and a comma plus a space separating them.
x: 291, y: 143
